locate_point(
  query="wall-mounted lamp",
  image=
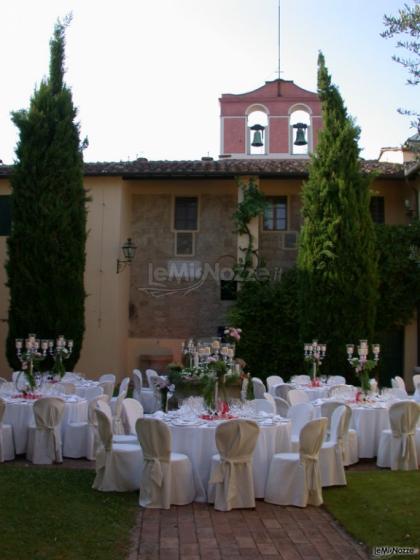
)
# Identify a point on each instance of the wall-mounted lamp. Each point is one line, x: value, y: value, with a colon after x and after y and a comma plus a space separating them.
x: 129, y: 251
x: 408, y: 208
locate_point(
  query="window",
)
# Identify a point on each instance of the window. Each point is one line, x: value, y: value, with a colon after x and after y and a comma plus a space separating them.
x: 228, y: 290
x: 5, y: 215
x: 184, y: 243
x: 377, y: 209
x: 275, y: 215
x: 186, y: 213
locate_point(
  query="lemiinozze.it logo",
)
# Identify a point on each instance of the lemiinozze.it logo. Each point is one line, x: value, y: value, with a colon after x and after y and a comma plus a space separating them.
x: 384, y: 551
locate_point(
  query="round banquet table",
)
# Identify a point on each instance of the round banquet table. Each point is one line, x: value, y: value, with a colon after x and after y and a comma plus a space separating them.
x: 19, y: 413
x: 199, y: 444
x: 368, y: 420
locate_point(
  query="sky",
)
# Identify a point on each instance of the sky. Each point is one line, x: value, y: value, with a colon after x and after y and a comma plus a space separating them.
x: 146, y: 75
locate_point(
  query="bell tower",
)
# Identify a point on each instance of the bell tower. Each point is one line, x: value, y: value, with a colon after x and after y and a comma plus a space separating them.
x: 277, y: 120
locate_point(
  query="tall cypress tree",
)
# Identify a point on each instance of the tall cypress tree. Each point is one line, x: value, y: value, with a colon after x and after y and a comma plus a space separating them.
x: 337, y: 262
x: 46, y: 248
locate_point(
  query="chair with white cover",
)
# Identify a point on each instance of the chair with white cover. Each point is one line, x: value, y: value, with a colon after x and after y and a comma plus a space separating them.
x: 122, y: 388
x: 118, y: 465
x: 270, y: 399
x: 231, y: 482
x: 108, y: 388
x: 44, y: 439
x: 259, y: 387
x: 130, y: 413
x: 416, y: 396
x: 104, y: 407
x: 299, y: 415
x: 294, y: 478
x: 297, y: 396
x: 150, y: 373
x: 416, y: 379
x: 65, y: 388
x: 7, y: 448
x: 145, y: 395
x: 342, y: 392
x: 166, y: 478
x: 244, y: 388
x: 336, y: 380
x: 264, y: 405
x: 107, y: 377
x: 351, y: 447
x: 282, y: 390
x: 272, y: 381
x: 301, y: 379
x: 331, y: 455
x: 398, y: 382
x: 397, y: 446
x: 282, y: 406
x: 80, y: 438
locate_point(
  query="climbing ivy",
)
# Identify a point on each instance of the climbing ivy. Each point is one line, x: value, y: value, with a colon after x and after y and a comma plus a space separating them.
x: 252, y: 205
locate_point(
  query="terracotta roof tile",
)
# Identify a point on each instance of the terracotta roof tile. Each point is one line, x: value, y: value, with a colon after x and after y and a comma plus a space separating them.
x: 143, y: 168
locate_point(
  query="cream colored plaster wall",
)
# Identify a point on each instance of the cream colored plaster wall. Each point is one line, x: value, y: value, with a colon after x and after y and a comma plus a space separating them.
x: 106, y: 309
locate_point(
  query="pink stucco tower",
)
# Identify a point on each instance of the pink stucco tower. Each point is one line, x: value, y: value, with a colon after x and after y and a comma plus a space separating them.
x: 277, y: 120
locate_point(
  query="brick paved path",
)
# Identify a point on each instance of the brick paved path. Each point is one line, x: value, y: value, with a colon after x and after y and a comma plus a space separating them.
x: 198, y: 532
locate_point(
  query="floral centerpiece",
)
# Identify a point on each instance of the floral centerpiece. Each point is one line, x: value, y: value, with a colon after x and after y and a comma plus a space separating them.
x: 363, y: 365
x: 30, y: 356
x: 314, y: 354
x: 166, y: 390
x: 62, y: 351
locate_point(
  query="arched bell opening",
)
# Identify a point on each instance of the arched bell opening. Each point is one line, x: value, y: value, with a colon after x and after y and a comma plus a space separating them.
x: 300, y: 133
x: 257, y: 126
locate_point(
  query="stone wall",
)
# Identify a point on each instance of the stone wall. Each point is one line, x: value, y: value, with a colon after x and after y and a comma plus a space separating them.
x: 170, y: 307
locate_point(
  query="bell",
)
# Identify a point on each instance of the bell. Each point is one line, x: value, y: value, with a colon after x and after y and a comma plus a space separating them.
x: 257, y: 140
x: 300, y: 134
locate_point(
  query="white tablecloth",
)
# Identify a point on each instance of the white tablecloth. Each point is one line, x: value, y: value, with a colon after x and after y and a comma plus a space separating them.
x: 368, y: 420
x: 198, y: 443
x: 19, y: 413
x: 312, y: 392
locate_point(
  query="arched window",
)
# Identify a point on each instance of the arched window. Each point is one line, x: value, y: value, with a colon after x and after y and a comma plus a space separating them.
x: 257, y: 128
x: 300, y: 131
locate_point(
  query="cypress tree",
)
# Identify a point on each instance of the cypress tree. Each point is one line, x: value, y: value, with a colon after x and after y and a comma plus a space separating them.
x: 338, y: 279
x: 46, y: 248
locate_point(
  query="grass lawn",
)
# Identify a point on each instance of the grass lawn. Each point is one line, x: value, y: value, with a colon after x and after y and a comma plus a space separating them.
x: 53, y: 514
x: 378, y: 507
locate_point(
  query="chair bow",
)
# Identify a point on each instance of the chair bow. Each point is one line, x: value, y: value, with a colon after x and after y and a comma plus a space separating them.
x: 154, y: 469
x: 224, y: 469
x: 310, y: 462
x: 404, y: 441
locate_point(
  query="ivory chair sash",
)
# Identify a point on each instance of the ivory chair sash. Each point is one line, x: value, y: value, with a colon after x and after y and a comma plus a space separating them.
x: 167, y: 478
x: 294, y: 478
x: 331, y: 455
x: 351, y: 447
x: 259, y: 387
x: 297, y: 396
x: 231, y: 482
x: 397, y: 446
x: 44, y: 439
x: 118, y: 466
x: 7, y: 447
